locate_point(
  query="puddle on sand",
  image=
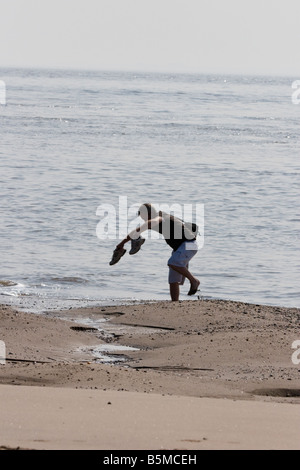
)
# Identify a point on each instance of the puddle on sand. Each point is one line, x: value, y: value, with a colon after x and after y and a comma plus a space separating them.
x: 108, y: 331
x: 86, y: 321
x: 102, y: 352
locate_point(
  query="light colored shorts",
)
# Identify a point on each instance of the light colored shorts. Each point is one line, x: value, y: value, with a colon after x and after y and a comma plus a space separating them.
x: 181, y: 257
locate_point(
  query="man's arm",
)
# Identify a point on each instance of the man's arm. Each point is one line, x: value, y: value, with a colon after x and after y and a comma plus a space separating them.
x: 142, y: 228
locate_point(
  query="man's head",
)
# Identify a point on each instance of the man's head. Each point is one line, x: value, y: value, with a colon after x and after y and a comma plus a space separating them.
x: 147, y: 212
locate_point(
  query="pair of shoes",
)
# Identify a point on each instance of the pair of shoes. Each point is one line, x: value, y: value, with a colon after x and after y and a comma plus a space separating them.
x: 194, y: 289
x: 117, y: 255
x: 136, y: 245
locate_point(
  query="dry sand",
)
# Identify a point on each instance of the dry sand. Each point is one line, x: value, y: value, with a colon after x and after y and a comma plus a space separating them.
x: 205, y: 375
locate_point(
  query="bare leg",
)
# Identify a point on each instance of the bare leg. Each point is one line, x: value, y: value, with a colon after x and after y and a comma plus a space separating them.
x: 186, y: 273
x: 174, y: 291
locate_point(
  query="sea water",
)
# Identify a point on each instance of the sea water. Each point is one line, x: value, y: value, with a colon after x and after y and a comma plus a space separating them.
x: 71, y: 141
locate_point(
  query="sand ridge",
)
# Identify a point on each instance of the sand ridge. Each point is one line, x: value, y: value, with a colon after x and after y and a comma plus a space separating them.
x: 197, y: 350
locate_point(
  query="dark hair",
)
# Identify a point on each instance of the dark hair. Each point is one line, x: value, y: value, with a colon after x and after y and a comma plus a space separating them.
x: 151, y: 211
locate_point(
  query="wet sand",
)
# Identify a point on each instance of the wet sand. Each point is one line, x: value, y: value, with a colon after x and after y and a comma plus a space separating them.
x: 198, y: 356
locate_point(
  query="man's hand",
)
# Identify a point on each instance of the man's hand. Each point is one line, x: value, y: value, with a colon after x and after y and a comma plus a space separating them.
x: 135, y: 234
x: 120, y: 245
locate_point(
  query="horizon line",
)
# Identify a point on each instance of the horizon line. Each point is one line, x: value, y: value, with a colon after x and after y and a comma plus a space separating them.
x: 152, y: 71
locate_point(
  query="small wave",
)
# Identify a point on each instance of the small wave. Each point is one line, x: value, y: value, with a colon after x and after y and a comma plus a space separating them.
x: 8, y: 283
x: 70, y: 280
x: 92, y: 92
x: 16, y: 294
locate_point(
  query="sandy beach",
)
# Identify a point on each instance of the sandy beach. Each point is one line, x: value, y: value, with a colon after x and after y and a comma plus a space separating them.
x: 204, y: 374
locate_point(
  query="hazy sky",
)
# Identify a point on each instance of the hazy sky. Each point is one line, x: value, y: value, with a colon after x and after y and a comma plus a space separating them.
x: 230, y: 36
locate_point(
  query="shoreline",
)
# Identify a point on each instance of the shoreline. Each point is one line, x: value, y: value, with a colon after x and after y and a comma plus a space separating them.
x: 60, y: 304
x: 206, y: 349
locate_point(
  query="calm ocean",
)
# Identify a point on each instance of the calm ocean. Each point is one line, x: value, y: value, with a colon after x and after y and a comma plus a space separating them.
x: 71, y: 141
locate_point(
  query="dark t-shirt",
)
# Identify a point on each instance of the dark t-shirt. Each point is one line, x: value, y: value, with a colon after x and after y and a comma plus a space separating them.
x: 174, y: 231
